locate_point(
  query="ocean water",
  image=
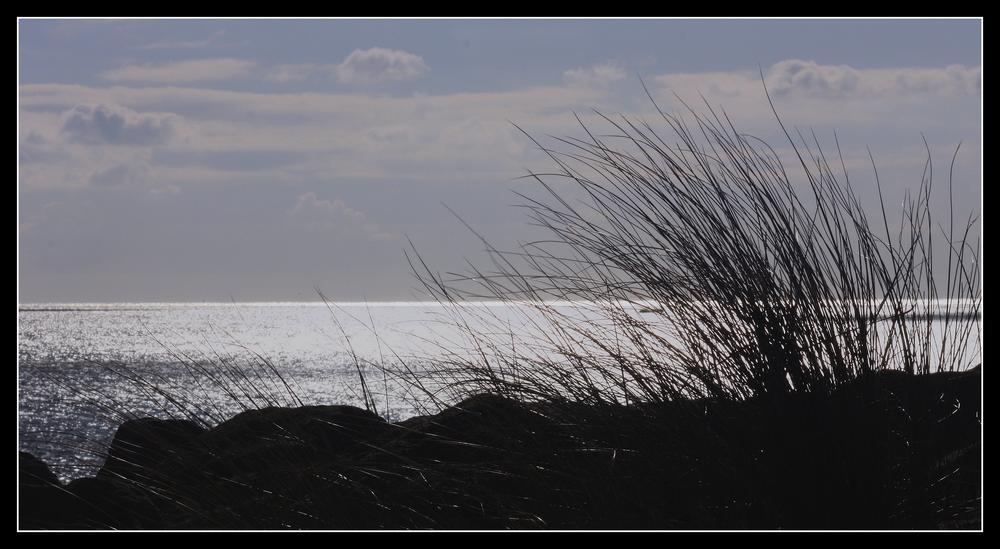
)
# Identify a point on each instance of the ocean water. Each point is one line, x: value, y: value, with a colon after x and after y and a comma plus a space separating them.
x: 82, y: 369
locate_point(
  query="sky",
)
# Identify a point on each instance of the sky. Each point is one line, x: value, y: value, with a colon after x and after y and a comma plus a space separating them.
x: 269, y: 160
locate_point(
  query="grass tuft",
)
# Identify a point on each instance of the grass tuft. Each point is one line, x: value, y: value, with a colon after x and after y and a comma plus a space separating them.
x: 716, y: 344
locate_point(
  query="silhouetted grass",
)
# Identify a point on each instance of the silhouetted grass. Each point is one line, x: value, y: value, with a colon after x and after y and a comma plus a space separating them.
x: 761, y: 291
x: 776, y: 305
x: 713, y: 346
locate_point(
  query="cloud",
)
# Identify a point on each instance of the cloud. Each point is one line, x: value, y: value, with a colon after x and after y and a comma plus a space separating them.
x: 218, y: 135
x: 284, y: 73
x: 809, y: 79
x: 954, y: 80
x: 361, y: 67
x: 476, y: 141
x: 396, y: 133
x: 599, y: 75
x: 126, y: 173
x: 309, y: 208
x: 379, y: 65
x: 112, y: 124
x: 223, y: 135
x: 182, y: 71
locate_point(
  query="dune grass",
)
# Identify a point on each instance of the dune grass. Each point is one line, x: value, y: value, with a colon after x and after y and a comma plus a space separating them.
x: 756, y: 289
x: 720, y: 341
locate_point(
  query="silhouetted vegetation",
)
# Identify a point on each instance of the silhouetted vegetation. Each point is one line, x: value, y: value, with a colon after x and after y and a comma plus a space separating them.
x: 751, y: 353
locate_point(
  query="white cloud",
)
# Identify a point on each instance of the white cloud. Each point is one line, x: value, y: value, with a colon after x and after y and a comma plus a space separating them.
x: 809, y: 79
x: 309, y: 208
x: 954, y: 80
x: 933, y: 100
x: 343, y: 135
x: 477, y: 142
x: 182, y: 71
x: 379, y: 65
x: 599, y: 75
x: 112, y: 124
x: 465, y: 137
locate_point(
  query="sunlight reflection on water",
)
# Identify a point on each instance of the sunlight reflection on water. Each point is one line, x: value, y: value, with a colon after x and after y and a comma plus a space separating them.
x: 75, y: 361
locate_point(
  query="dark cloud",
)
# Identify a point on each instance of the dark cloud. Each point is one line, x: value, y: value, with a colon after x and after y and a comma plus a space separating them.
x: 112, y: 124
x: 813, y: 79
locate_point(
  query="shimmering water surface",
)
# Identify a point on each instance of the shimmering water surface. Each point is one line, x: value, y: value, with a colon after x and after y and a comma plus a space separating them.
x: 82, y: 369
x: 77, y: 364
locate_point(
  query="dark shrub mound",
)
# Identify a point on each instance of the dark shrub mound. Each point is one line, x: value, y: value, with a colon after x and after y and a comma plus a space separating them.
x: 885, y: 452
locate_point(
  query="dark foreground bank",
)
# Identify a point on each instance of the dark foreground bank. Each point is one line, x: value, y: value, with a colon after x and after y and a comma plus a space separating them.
x: 887, y: 451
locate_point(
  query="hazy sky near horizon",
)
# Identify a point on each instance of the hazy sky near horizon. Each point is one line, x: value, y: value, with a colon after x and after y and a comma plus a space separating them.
x: 258, y: 160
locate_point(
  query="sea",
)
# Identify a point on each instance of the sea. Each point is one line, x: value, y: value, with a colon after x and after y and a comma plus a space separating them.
x: 85, y: 368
